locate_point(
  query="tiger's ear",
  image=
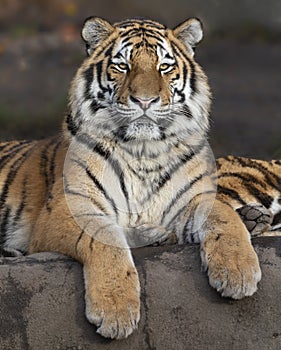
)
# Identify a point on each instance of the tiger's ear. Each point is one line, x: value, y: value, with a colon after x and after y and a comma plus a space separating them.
x: 94, y: 31
x: 190, y: 33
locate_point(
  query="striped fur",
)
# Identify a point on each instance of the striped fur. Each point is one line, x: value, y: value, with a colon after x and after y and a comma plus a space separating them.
x: 132, y: 168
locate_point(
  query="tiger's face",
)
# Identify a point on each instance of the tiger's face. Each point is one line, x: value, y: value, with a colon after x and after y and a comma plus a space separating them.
x: 140, y: 81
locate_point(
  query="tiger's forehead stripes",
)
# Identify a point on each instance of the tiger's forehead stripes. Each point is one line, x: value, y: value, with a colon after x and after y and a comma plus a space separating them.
x: 140, y: 36
x: 141, y: 22
x: 143, y: 39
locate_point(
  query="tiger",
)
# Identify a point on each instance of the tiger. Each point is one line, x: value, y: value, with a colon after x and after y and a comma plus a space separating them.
x: 132, y: 166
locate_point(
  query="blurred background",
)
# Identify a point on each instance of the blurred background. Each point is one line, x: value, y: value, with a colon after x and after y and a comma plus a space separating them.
x: 40, y: 50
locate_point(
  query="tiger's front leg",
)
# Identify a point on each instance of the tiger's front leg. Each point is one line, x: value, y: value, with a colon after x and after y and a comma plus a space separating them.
x: 112, y: 289
x: 228, y: 255
x: 226, y: 250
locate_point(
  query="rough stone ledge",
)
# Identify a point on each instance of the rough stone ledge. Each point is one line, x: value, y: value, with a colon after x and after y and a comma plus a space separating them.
x: 42, y: 304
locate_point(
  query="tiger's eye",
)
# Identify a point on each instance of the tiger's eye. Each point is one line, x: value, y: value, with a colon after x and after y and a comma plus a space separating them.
x: 164, y: 66
x: 122, y: 66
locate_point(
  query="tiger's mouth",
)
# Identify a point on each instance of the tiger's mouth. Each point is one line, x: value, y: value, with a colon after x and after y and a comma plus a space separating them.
x: 141, y: 128
x: 144, y: 120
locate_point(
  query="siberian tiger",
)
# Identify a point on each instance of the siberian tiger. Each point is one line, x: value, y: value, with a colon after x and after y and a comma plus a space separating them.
x: 132, y: 167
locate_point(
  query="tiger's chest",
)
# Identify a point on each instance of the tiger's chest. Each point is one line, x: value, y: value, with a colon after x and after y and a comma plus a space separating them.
x: 152, y: 191
x: 137, y: 191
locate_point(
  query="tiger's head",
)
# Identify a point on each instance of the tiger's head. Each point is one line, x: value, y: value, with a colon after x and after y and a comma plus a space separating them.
x: 140, y: 82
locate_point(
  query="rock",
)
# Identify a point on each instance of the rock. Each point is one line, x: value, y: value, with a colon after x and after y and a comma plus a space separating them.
x: 42, y: 304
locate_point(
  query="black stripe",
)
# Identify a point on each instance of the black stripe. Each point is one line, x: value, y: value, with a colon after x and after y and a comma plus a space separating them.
x: 127, y: 43
x: 108, y: 50
x: 185, y: 207
x: 178, y: 213
x: 15, y: 167
x: 71, y: 125
x: 272, y: 179
x: 262, y: 198
x: 188, y: 236
x: 4, y: 223
x: 230, y: 193
x: 101, y: 96
x: 12, y: 146
x: 191, y: 65
x: 4, y: 145
x: 187, y: 112
x: 22, y: 203
x: 245, y: 177
x: 120, y: 175
x: 138, y: 175
x: 97, y: 231
x: 181, y: 94
x: 101, y: 189
x: 12, y: 152
x: 97, y: 184
x: 52, y: 175
x: 106, y: 154
x: 180, y: 193
x: 69, y: 191
x: 184, y: 72
x: 131, y: 33
x: 248, y: 182
x: 44, y: 160
x: 276, y: 219
x: 88, y: 75
x: 168, y: 56
x: 218, y: 164
x: 78, y: 240
x: 91, y: 243
x: 99, y: 70
x: 140, y: 21
x: 94, y: 146
x: 5, y: 252
x: 16, y: 145
x: 183, y: 159
x: 192, y: 78
x: 95, y: 106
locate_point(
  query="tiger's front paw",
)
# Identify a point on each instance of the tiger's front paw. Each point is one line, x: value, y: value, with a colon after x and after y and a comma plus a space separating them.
x: 234, y: 272
x: 114, y: 309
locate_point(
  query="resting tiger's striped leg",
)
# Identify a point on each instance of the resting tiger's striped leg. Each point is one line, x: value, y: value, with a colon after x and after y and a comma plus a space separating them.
x: 226, y: 250
x: 111, y: 281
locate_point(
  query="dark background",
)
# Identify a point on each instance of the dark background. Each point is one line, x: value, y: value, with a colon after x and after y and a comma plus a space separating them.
x: 40, y: 50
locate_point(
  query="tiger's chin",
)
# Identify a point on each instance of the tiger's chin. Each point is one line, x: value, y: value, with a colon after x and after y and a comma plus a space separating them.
x: 143, y: 131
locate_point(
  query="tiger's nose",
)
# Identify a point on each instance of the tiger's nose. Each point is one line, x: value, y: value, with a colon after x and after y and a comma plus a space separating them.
x: 144, y: 102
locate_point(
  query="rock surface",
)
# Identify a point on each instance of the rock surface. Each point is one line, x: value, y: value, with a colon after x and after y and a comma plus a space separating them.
x: 42, y: 304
